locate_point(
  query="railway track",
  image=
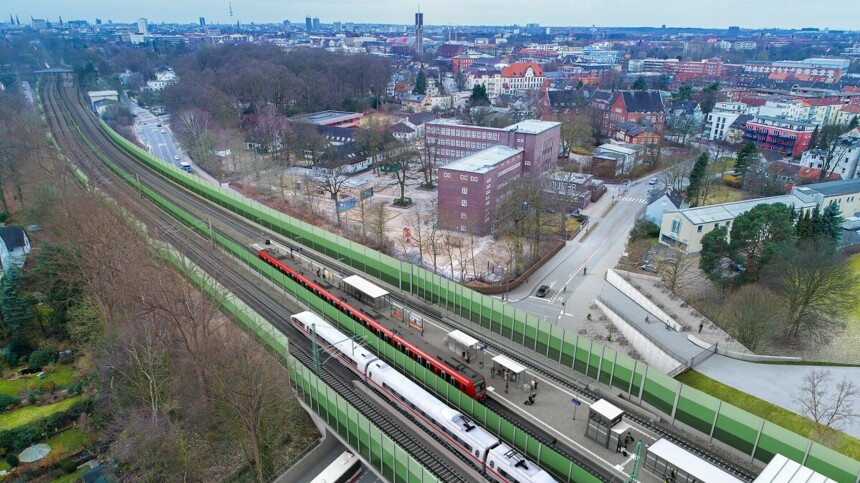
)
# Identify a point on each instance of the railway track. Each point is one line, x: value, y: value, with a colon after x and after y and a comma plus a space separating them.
x: 231, y: 225
x: 236, y: 227
x: 245, y: 286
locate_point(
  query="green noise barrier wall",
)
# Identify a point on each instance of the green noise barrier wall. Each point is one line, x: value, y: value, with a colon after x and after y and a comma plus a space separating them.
x: 719, y: 420
x: 377, y: 448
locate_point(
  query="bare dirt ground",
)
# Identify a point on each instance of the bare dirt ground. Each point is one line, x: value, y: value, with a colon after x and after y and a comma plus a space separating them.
x: 488, y: 255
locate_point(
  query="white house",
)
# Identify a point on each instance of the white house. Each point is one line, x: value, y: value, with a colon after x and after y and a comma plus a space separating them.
x: 14, y: 246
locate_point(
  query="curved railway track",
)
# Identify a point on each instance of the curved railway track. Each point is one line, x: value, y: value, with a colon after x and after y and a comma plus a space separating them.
x: 244, y: 232
x: 245, y: 286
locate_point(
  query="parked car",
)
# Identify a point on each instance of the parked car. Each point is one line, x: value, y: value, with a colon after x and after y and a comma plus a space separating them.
x: 542, y: 291
x: 653, y: 181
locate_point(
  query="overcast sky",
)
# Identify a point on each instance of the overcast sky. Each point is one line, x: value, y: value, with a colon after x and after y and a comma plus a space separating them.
x: 835, y: 14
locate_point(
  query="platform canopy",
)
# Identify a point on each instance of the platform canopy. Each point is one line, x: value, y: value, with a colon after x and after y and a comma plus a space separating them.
x: 508, y: 364
x: 365, y: 287
x: 607, y: 409
x: 783, y: 470
x: 461, y: 337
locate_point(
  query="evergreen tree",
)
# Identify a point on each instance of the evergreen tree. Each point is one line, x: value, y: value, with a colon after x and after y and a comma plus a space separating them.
x: 804, y: 226
x: 697, y: 175
x: 831, y: 222
x: 715, y: 249
x: 745, y: 156
x: 855, y: 121
x: 685, y: 93
x: 813, y: 140
x: 17, y: 313
x: 640, y: 84
x: 479, y: 96
x: 420, y: 84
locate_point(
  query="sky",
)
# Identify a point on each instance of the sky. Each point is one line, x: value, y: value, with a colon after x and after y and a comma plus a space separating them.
x: 835, y: 14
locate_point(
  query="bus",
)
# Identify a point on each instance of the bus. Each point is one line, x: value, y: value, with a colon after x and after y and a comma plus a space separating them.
x: 185, y: 166
x: 346, y: 468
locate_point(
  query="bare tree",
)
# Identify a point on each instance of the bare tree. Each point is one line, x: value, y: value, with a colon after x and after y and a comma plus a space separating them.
x: 431, y: 148
x: 816, y: 288
x: 400, y: 165
x: 378, y: 220
x: 831, y: 410
x: 252, y: 390
x: 332, y: 180
x: 751, y: 315
x: 575, y: 130
x: 675, y: 269
x: 141, y: 365
x: 677, y: 171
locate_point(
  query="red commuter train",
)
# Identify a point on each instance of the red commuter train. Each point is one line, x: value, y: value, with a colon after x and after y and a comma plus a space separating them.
x: 461, y: 376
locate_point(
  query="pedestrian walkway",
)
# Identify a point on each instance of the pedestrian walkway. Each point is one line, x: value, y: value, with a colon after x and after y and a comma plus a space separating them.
x: 634, y: 200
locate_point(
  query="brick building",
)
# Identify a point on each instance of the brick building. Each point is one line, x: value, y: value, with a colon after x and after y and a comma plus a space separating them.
x: 641, y: 107
x: 786, y: 136
x: 470, y: 188
x: 539, y: 140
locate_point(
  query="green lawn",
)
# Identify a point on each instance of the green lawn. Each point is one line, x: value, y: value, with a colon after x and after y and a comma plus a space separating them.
x: 843, y: 443
x: 70, y: 440
x: 72, y: 477
x: 4, y: 465
x: 62, y: 376
x: 29, y: 414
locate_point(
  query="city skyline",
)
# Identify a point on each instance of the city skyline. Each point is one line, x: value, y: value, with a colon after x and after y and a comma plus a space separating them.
x: 831, y: 14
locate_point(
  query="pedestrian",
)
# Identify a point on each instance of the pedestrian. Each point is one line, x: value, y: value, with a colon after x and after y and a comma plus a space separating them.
x: 422, y: 331
x: 492, y: 372
x: 589, y: 316
x: 701, y: 326
x: 534, y: 383
x: 584, y: 271
x: 506, y: 385
x: 647, y: 319
x: 481, y: 363
x: 564, y: 289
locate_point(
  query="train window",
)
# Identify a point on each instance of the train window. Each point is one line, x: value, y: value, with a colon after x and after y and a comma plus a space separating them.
x: 477, y: 454
x: 492, y: 464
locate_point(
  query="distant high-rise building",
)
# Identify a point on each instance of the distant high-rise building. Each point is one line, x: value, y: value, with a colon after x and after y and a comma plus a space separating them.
x: 316, y: 23
x: 419, y: 33
x: 202, y: 21
x: 309, y: 26
x: 98, y: 21
x: 734, y: 31
x: 142, y: 26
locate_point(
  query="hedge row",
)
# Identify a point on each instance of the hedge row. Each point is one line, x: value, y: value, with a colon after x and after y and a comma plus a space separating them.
x: 14, y: 440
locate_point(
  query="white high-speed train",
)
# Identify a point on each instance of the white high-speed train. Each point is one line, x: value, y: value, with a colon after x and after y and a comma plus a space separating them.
x: 495, y: 458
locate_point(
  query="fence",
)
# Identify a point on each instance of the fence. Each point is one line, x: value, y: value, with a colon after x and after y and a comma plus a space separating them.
x: 722, y: 421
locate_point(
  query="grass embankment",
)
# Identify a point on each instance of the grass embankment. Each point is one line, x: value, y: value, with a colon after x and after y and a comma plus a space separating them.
x: 28, y: 414
x: 842, y: 442
x: 61, y: 376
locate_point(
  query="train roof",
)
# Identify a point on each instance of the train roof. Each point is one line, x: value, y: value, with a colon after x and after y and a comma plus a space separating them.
x: 519, y: 463
x: 473, y: 430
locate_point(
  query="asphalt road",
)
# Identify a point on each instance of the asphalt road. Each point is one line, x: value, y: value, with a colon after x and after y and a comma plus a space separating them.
x: 155, y: 133
x: 575, y: 274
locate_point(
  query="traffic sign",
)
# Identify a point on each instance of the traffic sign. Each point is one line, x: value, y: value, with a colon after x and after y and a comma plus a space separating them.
x: 576, y: 401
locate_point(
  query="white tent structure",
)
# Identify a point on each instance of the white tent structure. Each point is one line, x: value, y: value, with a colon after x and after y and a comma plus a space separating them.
x: 34, y: 453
